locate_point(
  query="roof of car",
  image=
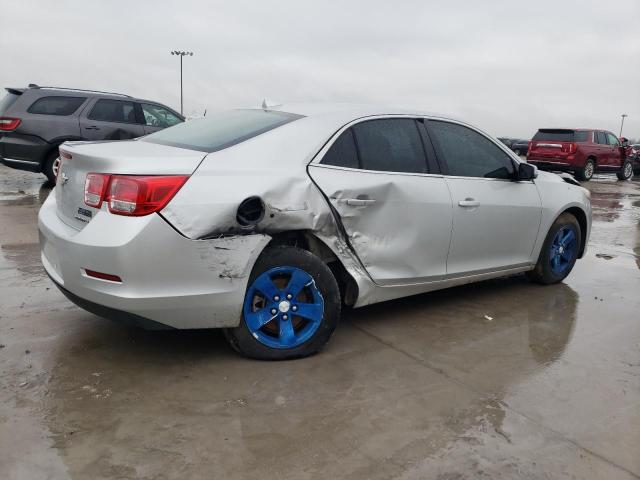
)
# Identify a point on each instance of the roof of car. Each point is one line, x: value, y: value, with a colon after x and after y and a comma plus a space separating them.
x: 347, y: 109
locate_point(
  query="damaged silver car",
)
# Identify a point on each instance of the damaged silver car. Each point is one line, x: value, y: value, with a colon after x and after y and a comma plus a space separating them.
x: 265, y: 222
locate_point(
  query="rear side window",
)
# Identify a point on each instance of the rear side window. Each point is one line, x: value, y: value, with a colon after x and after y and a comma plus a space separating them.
x: 221, y: 130
x: 56, y: 105
x: 343, y: 152
x: 600, y: 138
x: 106, y: 110
x: 554, y: 135
x: 468, y: 153
x: 390, y: 145
x: 581, y: 136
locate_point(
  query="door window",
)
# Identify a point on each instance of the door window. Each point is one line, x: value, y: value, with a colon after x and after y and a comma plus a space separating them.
x: 600, y: 138
x: 390, y: 145
x: 469, y: 154
x: 157, y: 116
x: 343, y: 152
x: 612, y: 140
x: 56, y: 105
x: 106, y: 110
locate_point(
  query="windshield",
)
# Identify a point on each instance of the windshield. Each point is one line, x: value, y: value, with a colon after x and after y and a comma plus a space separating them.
x: 220, y: 130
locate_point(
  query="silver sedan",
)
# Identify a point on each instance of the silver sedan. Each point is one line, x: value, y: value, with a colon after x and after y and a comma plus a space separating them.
x: 266, y: 221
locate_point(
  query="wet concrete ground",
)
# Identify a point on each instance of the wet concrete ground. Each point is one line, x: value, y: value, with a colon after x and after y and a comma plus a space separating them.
x: 503, y: 379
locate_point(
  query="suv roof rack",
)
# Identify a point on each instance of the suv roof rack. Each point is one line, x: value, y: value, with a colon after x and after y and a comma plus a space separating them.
x: 33, y: 85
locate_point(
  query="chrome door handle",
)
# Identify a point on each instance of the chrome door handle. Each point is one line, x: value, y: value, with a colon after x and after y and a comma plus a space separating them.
x: 359, y: 202
x: 469, y: 202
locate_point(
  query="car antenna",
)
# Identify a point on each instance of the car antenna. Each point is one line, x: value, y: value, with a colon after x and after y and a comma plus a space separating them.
x: 268, y: 104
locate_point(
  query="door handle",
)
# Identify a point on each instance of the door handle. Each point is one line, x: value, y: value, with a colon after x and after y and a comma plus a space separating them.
x: 469, y: 202
x: 92, y: 127
x: 359, y: 202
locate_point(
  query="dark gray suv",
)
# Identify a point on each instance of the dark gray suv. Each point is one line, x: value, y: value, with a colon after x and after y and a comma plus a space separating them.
x: 34, y: 121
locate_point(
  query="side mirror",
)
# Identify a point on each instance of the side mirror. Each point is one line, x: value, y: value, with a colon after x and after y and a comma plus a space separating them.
x: 526, y: 171
x: 624, y: 141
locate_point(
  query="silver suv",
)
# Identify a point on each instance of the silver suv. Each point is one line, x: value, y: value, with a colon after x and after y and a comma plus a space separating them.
x: 35, y: 121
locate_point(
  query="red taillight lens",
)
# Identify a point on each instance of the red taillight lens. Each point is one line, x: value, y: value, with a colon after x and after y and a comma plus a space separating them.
x: 142, y: 195
x: 95, y: 187
x: 103, y: 276
x: 9, y: 124
x: 573, y: 148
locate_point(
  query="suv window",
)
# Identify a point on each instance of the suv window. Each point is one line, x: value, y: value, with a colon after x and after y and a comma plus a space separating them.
x: 56, y: 105
x: 600, y: 138
x: 554, y: 135
x: 157, y: 116
x: 343, y: 152
x: 469, y: 154
x: 581, y: 136
x: 612, y: 140
x: 390, y: 145
x: 221, y: 130
x: 106, y: 110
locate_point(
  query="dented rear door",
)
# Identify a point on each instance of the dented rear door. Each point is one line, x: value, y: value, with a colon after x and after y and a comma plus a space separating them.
x: 398, y: 222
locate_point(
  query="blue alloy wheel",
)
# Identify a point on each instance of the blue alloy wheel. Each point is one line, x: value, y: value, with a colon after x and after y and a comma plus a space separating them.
x: 563, y: 250
x: 283, y: 307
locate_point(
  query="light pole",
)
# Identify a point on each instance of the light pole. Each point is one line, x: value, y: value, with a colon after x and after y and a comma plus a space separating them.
x: 624, y: 115
x: 181, y: 54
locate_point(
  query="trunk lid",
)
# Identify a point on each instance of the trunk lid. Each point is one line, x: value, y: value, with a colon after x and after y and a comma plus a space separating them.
x: 555, y: 142
x: 119, y: 157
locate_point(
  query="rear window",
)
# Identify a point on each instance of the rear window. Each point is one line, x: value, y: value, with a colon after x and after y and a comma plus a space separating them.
x: 581, y: 136
x: 555, y: 135
x: 56, y: 105
x: 220, y: 130
x: 7, y: 101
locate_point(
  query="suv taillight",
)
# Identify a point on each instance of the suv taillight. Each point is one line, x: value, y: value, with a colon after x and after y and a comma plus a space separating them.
x: 9, y: 124
x: 573, y: 147
x: 132, y: 195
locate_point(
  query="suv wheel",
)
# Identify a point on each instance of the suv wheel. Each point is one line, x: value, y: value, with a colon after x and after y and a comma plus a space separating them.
x: 51, y: 166
x: 586, y: 172
x: 626, y: 171
x: 291, y: 306
x: 517, y: 152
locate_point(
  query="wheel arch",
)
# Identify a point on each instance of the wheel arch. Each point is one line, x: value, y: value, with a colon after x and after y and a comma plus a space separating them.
x: 54, y: 145
x: 308, y: 241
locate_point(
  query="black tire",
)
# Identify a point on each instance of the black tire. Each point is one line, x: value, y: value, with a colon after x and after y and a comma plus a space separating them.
x: 543, y: 273
x: 626, y: 170
x: 517, y: 152
x: 586, y: 172
x: 240, y: 337
x: 50, y: 165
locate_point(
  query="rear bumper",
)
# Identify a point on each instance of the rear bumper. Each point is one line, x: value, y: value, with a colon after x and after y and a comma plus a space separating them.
x: 167, y: 279
x: 548, y: 163
x: 24, y: 152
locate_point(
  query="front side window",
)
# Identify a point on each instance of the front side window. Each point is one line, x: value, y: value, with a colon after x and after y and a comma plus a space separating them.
x: 468, y: 153
x: 56, y: 105
x: 221, y: 130
x: 157, y: 116
x: 390, y: 145
x: 106, y: 110
x: 612, y: 140
x: 343, y: 152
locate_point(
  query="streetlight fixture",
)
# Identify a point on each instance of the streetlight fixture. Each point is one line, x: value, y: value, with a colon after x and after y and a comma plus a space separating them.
x: 624, y: 115
x: 181, y: 54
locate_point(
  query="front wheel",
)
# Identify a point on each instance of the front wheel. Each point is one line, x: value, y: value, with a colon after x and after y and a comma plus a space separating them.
x: 626, y: 171
x: 291, y: 306
x: 559, y: 251
x: 586, y: 172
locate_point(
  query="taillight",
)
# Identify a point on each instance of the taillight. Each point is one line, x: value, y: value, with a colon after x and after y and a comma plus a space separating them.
x: 573, y: 148
x: 142, y: 195
x: 530, y: 146
x: 131, y: 195
x: 9, y: 124
x: 95, y: 187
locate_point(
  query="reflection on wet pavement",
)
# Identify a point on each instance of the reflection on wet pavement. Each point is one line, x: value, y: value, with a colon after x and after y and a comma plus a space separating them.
x: 503, y: 379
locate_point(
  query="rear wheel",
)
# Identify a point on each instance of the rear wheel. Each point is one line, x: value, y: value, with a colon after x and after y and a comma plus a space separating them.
x: 51, y: 166
x: 626, y: 171
x: 517, y: 152
x: 586, y: 172
x: 559, y: 251
x: 291, y: 306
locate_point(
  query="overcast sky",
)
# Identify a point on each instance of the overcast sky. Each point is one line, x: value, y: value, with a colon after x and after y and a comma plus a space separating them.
x: 507, y: 66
